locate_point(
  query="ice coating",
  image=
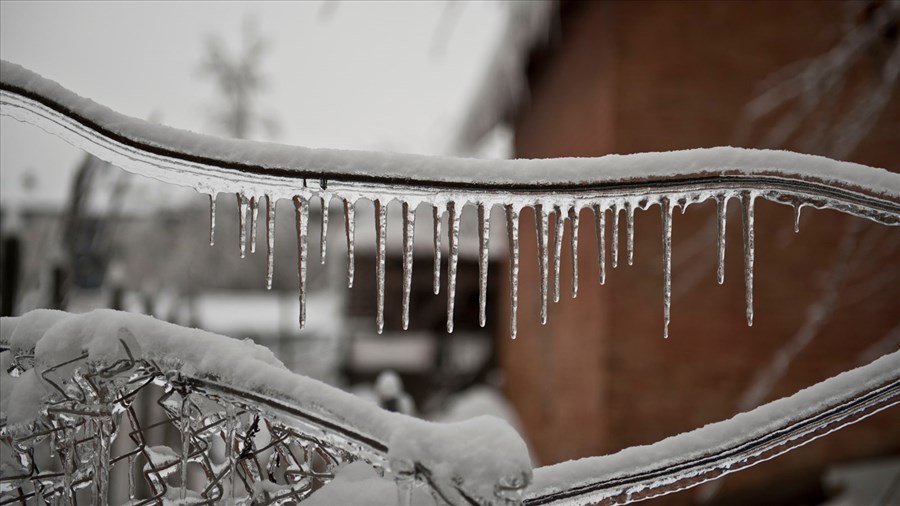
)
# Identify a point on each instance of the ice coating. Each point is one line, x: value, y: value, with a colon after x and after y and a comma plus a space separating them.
x: 666, y: 209
x: 512, y: 227
x: 380, y: 239
x: 706, y: 453
x: 212, y: 219
x: 484, y: 234
x: 242, y: 223
x: 19, y: 84
x: 409, y: 230
x: 493, y: 450
x: 573, y: 243
x: 270, y: 241
x: 541, y: 222
x: 600, y: 223
x: 629, y: 231
x: 436, y: 218
x: 614, y: 209
x: 323, y: 235
x: 557, y: 250
x: 301, y: 207
x: 747, y: 215
x: 452, y: 260
x: 254, y: 217
x: 249, y: 169
x: 349, y: 227
x: 721, y: 223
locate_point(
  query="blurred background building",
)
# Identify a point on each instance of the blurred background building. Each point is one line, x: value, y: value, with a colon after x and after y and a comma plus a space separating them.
x: 523, y: 79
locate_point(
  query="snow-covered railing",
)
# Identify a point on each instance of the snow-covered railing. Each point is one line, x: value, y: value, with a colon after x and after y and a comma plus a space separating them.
x: 558, y: 187
x: 247, y: 428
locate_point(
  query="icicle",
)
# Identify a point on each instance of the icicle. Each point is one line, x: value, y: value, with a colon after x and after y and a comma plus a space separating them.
x: 323, y: 244
x: 452, y: 260
x: 629, y: 231
x: 512, y: 227
x: 301, y: 205
x: 747, y: 207
x: 436, y: 215
x: 484, y: 233
x: 230, y: 430
x: 721, y: 217
x: 666, y: 207
x: 212, y: 219
x: 185, y: 442
x: 409, y: 230
x: 541, y: 219
x: 600, y: 224
x: 270, y: 241
x: 350, y: 227
x: 615, y: 235
x: 254, y: 213
x: 797, y: 209
x: 573, y: 242
x: 242, y: 228
x: 557, y: 250
x: 380, y: 233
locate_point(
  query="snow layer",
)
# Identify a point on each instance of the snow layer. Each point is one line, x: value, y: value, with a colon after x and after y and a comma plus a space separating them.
x: 479, y: 452
x: 357, y: 484
x: 283, y: 161
x: 717, y: 436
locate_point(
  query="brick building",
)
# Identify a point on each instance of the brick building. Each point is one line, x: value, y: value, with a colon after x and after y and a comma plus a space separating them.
x: 627, y: 77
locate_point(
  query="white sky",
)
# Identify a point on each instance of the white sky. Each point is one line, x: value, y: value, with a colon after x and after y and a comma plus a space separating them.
x: 356, y: 75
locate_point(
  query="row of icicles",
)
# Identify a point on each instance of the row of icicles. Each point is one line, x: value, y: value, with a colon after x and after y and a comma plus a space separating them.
x: 542, y: 216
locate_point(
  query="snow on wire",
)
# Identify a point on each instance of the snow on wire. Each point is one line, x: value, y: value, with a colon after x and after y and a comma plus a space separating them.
x: 609, y: 184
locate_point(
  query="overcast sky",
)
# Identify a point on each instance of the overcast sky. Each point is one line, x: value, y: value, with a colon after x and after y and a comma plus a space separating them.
x: 369, y: 75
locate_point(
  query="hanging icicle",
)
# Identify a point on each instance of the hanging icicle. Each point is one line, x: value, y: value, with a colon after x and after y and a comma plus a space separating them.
x: 350, y: 228
x: 666, y: 207
x: 541, y: 219
x: 301, y: 205
x: 380, y: 237
x: 600, y: 224
x: 629, y: 231
x: 557, y: 250
x: 409, y: 230
x: 484, y: 233
x: 212, y: 219
x: 721, y: 217
x: 614, y: 209
x: 749, y: 246
x: 254, y: 214
x: 797, y: 209
x: 452, y: 259
x: 512, y: 228
x: 436, y: 217
x: 270, y: 241
x: 242, y: 228
x: 573, y: 243
x: 323, y: 243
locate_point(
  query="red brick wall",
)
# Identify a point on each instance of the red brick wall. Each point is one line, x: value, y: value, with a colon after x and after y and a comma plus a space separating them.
x: 651, y: 76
